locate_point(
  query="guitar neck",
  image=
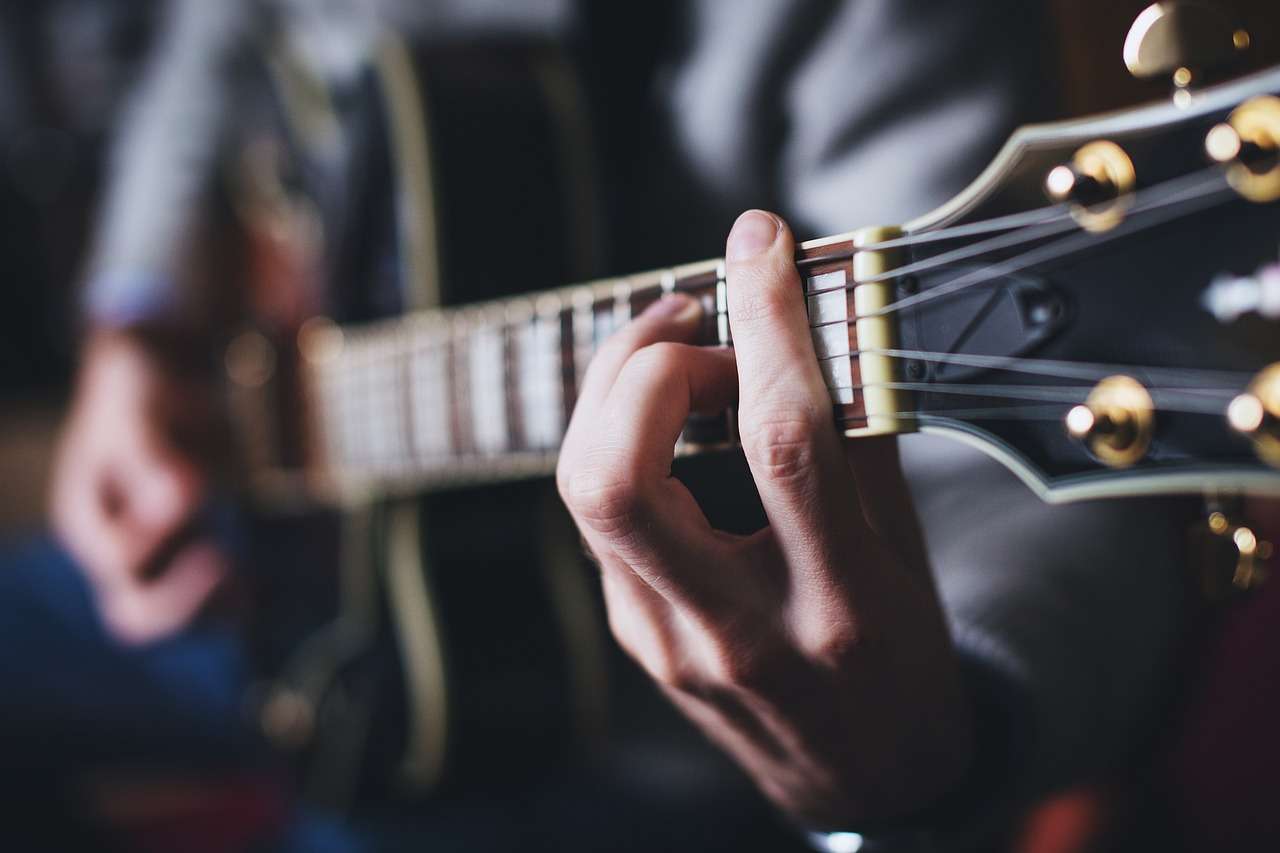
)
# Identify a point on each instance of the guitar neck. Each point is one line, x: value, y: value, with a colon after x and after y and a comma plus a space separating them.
x: 484, y: 392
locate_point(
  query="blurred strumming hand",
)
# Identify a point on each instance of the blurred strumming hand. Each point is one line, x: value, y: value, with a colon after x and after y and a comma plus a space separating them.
x: 129, y: 481
x: 815, y: 650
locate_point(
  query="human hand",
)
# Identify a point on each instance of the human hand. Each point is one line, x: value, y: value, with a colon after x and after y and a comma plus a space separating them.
x: 814, y: 651
x: 128, y: 481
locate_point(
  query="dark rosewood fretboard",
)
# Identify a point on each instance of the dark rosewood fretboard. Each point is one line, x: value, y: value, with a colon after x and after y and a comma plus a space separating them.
x: 485, y: 391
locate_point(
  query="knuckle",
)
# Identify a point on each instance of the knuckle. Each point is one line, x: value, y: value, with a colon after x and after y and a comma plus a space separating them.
x: 656, y: 362
x: 740, y: 669
x: 673, y: 672
x: 839, y: 650
x: 782, y: 448
x: 602, y: 499
x: 752, y: 664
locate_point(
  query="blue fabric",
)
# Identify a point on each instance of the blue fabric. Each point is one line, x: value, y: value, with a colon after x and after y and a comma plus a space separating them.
x: 74, y: 699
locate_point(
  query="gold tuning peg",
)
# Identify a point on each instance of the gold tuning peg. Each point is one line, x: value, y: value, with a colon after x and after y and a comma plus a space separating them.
x: 1248, y: 144
x: 1096, y: 182
x: 1116, y: 422
x: 1182, y: 40
x: 1256, y: 414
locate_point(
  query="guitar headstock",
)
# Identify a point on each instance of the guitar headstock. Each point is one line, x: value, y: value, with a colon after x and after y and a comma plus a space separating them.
x: 1099, y: 310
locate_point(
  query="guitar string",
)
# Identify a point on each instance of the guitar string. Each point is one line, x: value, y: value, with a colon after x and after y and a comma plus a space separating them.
x: 1044, y: 216
x: 1180, y: 204
x: 1168, y: 399
x: 1034, y: 412
x: 1055, y: 250
x: 1038, y: 216
x: 1177, y: 205
x: 1013, y: 239
x: 1083, y: 370
x: 1142, y: 201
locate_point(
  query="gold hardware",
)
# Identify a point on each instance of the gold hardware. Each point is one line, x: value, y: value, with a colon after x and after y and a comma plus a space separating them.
x: 1115, y: 422
x: 885, y: 405
x: 1181, y: 40
x: 1097, y: 183
x: 1234, y: 557
x: 1248, y: 144
x: 1256, y: 414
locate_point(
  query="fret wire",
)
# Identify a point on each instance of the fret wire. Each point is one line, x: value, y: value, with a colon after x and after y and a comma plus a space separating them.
x: 519, y: 333
x: 534, y: 352
x: 459, y: 381
x: 583, y: 334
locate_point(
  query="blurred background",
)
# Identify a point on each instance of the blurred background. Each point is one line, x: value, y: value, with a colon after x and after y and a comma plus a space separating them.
x: 65, y: 71
x: 218, y: 738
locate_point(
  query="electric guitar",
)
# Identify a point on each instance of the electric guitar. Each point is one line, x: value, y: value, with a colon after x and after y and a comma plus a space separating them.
x: 1003, y: 320
x: 1096, y: 311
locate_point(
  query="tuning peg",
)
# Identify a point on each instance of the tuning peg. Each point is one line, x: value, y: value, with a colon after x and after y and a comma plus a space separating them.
x: 1096, y: 183
x: 1248, y: 144
x: 1256, y: 414
x: 1182, y: 41
x: 1115, y: 422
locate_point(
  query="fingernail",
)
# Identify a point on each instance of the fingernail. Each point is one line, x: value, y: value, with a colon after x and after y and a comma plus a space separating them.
x: 754, y: 232
x: 678, y: 307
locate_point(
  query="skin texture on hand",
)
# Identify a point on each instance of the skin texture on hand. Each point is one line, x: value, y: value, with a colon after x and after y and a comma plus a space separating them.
x: 127, y: 486
x: 814, y: 650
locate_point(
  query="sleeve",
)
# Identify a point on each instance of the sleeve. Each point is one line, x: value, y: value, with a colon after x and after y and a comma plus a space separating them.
x: 1066, y: 617
x: 164, y: 159
x: 863, y: 112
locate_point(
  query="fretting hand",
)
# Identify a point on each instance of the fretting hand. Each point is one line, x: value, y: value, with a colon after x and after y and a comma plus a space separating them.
x: 814, y: 651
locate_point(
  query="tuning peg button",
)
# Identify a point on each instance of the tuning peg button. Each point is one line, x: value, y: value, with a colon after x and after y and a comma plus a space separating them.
x: 1256, y: 414
x: 1096, y: 183
x: 1182, y: 41
x: 1116, y: 422
x: 1248, y: 144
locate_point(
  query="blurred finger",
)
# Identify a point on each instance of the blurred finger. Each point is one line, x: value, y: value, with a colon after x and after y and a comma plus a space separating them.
x: 162, y: 492
x: 146, y: 610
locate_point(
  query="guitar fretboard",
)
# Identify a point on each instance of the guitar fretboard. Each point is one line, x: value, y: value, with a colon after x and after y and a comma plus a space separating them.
x: 485, y: 392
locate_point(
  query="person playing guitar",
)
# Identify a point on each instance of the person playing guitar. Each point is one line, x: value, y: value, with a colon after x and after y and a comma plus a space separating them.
x: 889, y: 654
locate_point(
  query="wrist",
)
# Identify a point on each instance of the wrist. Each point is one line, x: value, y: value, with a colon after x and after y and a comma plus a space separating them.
x: 981, y: 800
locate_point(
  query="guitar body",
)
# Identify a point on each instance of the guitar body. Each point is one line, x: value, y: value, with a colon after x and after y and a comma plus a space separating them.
x: 408, y: 644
